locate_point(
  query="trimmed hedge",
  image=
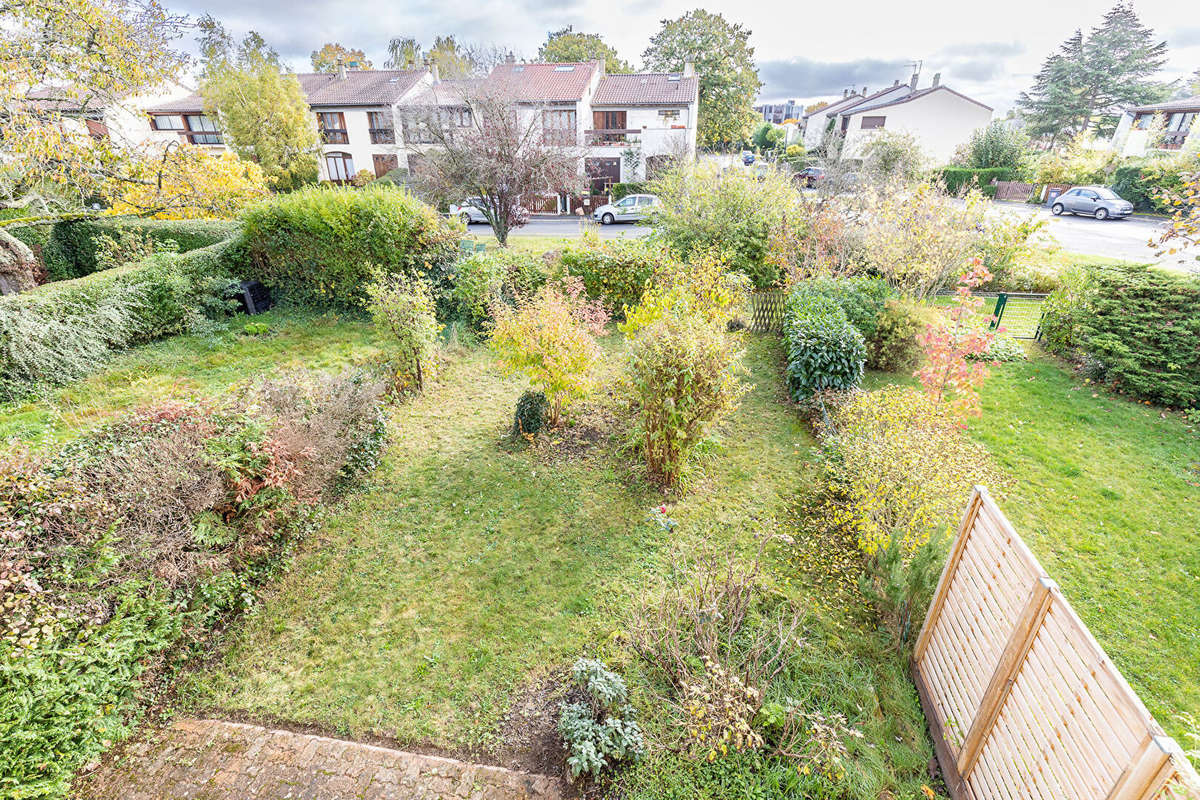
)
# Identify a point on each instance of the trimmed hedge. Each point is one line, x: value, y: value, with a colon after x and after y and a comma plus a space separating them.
x: 318, y: 245
x: 614, y: 271
x: 620, y: 190
x: 861, y: 298
x: 1143, y: 328
x: 957, y: 179
x: 68, y: 249
x: 824, y: 351
x: 62, y: 331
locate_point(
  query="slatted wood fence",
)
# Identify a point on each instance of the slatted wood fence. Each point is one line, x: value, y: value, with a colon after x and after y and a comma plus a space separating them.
x: 1021, y: 699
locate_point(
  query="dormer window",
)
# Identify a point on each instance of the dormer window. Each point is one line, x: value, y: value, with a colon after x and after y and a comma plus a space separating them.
x: 565, y: 68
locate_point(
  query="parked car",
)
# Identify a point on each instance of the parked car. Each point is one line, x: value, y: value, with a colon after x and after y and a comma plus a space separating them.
x: 628, y: 209
x: 747, y: 157
x: 809, y: 176
x: 468, y: 210
x: 1094, y: 201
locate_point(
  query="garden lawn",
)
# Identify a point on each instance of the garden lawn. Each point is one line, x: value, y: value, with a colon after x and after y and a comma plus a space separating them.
x: 1106, y: 492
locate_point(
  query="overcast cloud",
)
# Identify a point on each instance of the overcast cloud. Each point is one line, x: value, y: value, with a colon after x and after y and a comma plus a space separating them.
x: 804, y: 51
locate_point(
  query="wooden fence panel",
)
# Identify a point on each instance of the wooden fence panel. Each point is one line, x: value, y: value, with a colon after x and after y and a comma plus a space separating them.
x: 1021, y: 699
x: 766, y: 311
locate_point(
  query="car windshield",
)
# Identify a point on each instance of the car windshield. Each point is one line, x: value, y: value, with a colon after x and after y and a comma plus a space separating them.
x: 1107, y: 194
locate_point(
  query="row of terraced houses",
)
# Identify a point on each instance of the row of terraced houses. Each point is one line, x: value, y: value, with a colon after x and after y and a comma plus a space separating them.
x: 625, y: 125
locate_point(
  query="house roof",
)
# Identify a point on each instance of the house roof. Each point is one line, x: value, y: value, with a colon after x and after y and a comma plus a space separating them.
x: 835, y: 107
x: 918, y: 94
x: 1182, y: 104
x: 646, y: 89
x: 547, y: 83
x: 57, y: 99
x: 368, y: 87
x: 876, y: 99
x: 451, y: 94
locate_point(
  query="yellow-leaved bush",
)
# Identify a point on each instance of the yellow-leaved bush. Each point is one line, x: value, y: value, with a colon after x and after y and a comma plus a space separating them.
x: 898, y: 462
x: 193, y: 184
x: 704, y: 287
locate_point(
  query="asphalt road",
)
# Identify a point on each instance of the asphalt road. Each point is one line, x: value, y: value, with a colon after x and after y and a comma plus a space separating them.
x: 1126, y: 239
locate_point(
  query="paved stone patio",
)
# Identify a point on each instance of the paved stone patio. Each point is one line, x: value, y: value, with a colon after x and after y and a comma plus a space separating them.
x: 213, y: 760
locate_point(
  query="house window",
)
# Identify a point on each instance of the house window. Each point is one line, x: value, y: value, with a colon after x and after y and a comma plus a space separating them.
x: 460, y: 117
x: 559, y: 127
x: 870, y: 123
x: 417, y: 129
x: 380, y: 125
x: 339, y: 167
x: 609, y: 127
x: 167, y: 122
x: 385, y: 164
x: 202, y: 129
x: 668, y: 115
x: 332, y: 125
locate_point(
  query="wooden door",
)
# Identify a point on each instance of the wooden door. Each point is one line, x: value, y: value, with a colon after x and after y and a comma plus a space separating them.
x: 603, y: 172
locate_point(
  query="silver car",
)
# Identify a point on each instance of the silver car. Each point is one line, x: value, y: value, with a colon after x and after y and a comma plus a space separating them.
x: 1092, y: 201
x: 468, y: 210
x: 628, y: 209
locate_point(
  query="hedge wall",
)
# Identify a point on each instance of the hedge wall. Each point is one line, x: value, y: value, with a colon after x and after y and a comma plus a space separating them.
x: 68, y: 249
x: 959, y: 178
x: 1140, y: 184
x: 62, y: 331
x: 620, y: 190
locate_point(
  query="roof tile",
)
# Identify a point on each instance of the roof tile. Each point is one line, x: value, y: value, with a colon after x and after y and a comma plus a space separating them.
x: 645, y: 89
x: 547, y: 83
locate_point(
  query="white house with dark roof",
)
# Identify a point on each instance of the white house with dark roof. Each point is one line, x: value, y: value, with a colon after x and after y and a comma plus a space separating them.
x: 817, y: 124
x: 625, y: 124
x: 1179, y: 123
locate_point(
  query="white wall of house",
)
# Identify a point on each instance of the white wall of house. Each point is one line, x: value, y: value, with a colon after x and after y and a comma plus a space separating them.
x: 360, y: 147
x: 663, y: 131
x: 940, y: 121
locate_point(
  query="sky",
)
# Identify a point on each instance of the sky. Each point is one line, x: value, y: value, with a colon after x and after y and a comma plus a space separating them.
x: 804, y: 51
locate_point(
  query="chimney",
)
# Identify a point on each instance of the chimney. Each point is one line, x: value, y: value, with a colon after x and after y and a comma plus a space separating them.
x: 510, y: 58
x: 913, y: 83
x: 864, y: 91
x: 689, y: 69
x: 845, y: 93
x: 341, y: 69
x: 937, y: 79
x: 435, y: 73
x: 895, y: 83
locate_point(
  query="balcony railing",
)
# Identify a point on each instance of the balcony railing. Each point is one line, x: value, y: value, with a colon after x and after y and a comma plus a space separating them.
x: 606, y: 136
x: 1173, y: 140
x: 335, y: 136
x: 383, y: 136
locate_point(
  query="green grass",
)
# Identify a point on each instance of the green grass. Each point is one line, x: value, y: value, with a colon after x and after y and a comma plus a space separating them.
x: 1106, y: 492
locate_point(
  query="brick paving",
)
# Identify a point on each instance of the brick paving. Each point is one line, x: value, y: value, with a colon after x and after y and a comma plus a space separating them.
x: 213, y: 760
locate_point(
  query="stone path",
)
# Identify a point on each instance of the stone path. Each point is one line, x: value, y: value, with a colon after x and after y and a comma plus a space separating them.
x: 212, y: 760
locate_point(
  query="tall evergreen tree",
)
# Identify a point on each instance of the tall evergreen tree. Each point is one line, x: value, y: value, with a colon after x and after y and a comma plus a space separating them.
x: 1087, y: 83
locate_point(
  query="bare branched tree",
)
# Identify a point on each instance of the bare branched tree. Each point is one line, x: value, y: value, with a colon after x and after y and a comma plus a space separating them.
x: 479, y: 142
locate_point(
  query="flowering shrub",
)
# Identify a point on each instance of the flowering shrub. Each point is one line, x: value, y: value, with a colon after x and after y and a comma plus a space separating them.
x: 898, y: 462
x: 953, y: 345
x: 545, y: 339
x: 681, y: 374
x: 824, y: 351
x: 598, y: 727
x: 404, y: 308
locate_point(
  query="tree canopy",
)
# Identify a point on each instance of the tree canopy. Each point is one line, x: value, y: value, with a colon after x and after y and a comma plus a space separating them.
x: 570, y: 45
x: 261, y: 108
x: 1088, y: 81
x: 404, y: 52
x: 725, y: 67
x: 995, y: 145
x: 331, y: 53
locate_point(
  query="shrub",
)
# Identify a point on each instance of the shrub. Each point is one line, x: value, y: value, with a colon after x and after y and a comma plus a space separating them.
x: 404, y: 308
x: 530, y: 416
x: 620, y: 190
x: 739, y: 213
x: 995, y: 146
x: 62, y: 331
x: 893, y: 156
x: 482, y: 279
x: 614, y: 271
x: 318, y: 245
x: 894, y: 347
x: 547, y: 339
x: 824, y: 351
x: 124, y: 548
x: 1065, y: 309
x: 682, y: 379
x: 599, y: 728
x: 1143, y: 327
x: 898, y: 462
x: 861, y: 298
x: 957, y: 180
x: 71, y: 249
x: 898, y: 582
x: 703, y: 287
x: 954, y: 345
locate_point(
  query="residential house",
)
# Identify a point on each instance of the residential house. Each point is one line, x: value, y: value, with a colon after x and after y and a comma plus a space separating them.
x: 121, y: 121
x: 1159, y: 127
x: 817, y: 124
x: 939, y: 118
x: 356, y: 113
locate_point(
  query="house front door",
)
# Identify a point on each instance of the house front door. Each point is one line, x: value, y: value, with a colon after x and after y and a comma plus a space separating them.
x: 603, y: 172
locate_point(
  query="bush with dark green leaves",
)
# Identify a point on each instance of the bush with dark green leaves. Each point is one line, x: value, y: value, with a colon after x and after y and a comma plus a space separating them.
x: 614, y: 271
x: 824, y: 350
x: 531, y: 413
x: 620, y: 190
x: 62, y: 331
x: 1144, y: 183
x: 70, y: 249
x: 319, y: 245
x: 960, y: 179
x: 861, y: 298
x: 481, y: 279
x: 1064, y: 311
x: 1143, y: 327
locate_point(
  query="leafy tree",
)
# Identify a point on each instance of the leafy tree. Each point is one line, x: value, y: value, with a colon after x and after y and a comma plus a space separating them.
x: 1089, y: 80
x: 331, y: 54
x: 501, y: 158
x: 568, y: 45
x: 200, y: 185
x: 816, y: 106
x: 261, y: 108
x: 403, y: 53
x: 725, y: 67
x: 996, y: 145
x: 453, y: 60
x: 767, y: 138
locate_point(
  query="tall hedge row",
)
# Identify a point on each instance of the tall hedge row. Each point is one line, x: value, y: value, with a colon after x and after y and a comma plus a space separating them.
x: 68, y: 249
x: 958, y: 179
x: 319, y: 245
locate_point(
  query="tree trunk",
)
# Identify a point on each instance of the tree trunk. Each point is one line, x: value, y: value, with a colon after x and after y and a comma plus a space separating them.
x: 17, y: 265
